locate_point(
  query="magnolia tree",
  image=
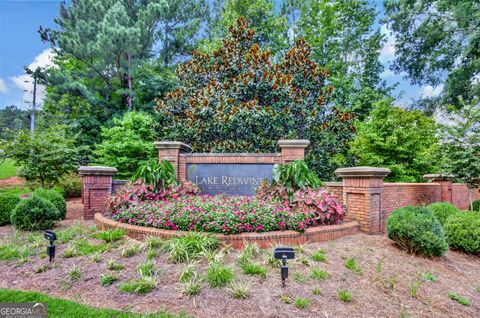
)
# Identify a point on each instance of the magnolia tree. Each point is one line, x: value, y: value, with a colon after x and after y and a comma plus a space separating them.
x: 461, y: 145
x: 237, y: 99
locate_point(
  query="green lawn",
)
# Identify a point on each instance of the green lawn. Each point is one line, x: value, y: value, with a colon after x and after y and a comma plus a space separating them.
x: 64, y: 308
x: 7, y: 169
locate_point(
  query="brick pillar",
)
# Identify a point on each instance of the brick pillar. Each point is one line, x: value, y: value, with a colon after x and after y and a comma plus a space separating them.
x: 362, y: 194
x: 171, y: 150
x: 292, y: 149
x: 445, y: 185
x: 96, y: 188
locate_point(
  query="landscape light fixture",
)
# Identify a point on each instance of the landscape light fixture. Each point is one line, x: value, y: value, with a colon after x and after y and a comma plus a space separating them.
x: 284, y: 253
x: 51, y: 237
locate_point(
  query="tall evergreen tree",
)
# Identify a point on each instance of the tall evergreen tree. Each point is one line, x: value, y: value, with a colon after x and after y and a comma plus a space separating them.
x: 110, y: 38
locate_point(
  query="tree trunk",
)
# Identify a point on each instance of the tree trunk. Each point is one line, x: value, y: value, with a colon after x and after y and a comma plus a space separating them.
x: 130, y: 95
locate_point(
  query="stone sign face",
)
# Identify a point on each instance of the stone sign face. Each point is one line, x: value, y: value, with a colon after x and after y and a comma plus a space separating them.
x: 233, y: 179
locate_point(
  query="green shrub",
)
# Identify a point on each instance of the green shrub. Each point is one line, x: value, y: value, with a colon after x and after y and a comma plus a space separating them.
x: 476, y: 205
x: 417, y: 230
x: 34, y: 213
x: 59, y: 190
x: 345, y: 295
x: 442, y: 211
x: 8, y: 202
x: 56, y: 198
x: 463, y: 232
x: 71, y: 185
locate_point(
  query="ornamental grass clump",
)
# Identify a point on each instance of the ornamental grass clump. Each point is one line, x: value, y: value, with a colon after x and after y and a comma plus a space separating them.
x: 417, y: 230
x: 190, y: 246
x: 219, y: 275
x: 463, y: 232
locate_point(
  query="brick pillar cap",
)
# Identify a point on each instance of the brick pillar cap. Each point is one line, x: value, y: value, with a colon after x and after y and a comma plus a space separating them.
x: 356, y: 172
x: 96, y: 171
x: 172, y: 145
x: 293, y: 143
x: 437, y: 177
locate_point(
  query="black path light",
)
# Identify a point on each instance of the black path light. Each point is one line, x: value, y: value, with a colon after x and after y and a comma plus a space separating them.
x: 51, y: 237
x: 284, y: 253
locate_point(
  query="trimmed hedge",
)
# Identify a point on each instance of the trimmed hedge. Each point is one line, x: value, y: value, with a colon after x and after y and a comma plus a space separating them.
x: 417, y: 230
x: 463, y: 232
x: 442, y: 211
x: 56, y: 198
x: 476, y: 205
x: 34, y: 213
x: 8, y: 201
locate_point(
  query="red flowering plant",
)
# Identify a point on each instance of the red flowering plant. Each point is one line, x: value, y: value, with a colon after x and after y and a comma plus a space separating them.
x: 137, y: 192
x: 297, y: 187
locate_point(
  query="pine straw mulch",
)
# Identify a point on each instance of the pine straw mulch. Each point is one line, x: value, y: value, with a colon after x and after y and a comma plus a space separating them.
x: 382, y: 291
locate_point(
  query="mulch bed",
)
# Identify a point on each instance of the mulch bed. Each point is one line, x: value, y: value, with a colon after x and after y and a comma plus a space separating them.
x: 376, y: 293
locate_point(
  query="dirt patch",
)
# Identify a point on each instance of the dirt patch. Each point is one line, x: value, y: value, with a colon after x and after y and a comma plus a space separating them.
x: 74, y: 209
x: 384, y: 289
x: 12, y: 181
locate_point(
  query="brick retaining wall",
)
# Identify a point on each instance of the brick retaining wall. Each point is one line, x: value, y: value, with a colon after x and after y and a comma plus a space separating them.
x: 264, y: 240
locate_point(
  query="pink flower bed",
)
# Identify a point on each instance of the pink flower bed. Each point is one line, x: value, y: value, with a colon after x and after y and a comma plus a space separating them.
x: 182, y: 208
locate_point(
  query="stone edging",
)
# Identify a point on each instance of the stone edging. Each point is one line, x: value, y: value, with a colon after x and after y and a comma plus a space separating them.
x: 264, y: 240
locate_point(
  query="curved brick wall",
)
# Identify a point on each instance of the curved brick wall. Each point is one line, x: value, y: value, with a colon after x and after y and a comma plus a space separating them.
x: 264, y: 240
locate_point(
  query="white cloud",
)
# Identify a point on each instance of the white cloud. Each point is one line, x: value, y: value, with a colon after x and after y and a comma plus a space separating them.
x: 387, y: 73
x: 388, y: 51
x: 3, y: 86
x: 25, y: 82
x: 430, y: 91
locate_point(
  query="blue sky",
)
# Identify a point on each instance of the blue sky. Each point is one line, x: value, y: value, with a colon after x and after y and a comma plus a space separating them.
x: 20, y: 46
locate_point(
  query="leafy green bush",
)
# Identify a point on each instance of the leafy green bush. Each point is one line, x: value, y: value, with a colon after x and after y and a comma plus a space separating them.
x: 476, y: 205
x: 159, y: 175
x: 34, y: 213
x: 417, y: 230
x: 56, y: 198
x: 59, y: 190
x: 295, y: 175
x: 8, y: 201
x: 71, y: 185
x: 463, y: 232
x: 127, y: 143
x: 442, y: 211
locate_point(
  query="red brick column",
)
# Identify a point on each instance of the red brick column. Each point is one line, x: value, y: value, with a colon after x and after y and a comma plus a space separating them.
x: 96, y: 188
x: 362, y: 191
x: 292, y: 149
x: 445, y: 185
x: 170, y: 150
